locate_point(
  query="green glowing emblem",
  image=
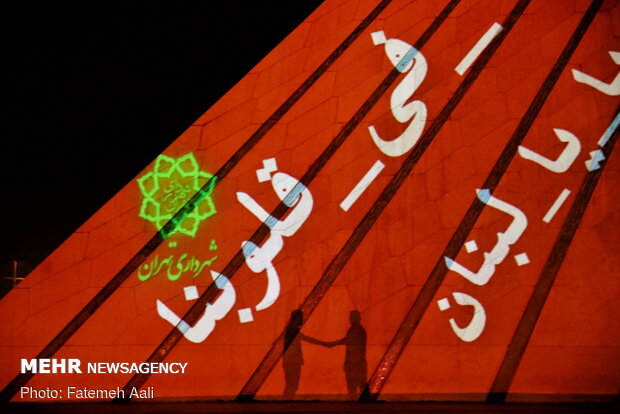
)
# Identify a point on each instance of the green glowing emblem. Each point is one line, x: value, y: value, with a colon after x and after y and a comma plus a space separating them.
x: 168, y: 188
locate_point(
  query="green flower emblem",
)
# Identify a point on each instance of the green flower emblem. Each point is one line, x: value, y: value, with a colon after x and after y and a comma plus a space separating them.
x: 169, y: 187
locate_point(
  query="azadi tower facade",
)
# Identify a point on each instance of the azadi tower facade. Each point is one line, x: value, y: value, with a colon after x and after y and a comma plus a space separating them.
x: 405, y: 200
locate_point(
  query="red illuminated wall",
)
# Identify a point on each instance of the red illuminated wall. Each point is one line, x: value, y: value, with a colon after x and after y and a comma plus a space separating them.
x: 463, y: 295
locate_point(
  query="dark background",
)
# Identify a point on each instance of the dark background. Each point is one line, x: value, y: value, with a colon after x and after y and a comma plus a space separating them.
x: 94, y: 91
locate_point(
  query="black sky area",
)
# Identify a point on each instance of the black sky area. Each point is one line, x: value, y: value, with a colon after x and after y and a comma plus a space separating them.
x: 94, y: 91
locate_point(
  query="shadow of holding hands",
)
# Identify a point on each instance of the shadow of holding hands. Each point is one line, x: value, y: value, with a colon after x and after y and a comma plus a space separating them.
x: 355, y: 364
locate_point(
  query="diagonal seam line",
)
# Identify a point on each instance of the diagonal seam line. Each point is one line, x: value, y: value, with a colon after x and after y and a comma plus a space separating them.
x: 337, y: 264
x: 429, y: 289
x: 67, y: 332
x: 529, y: 319
x: 235, y: 263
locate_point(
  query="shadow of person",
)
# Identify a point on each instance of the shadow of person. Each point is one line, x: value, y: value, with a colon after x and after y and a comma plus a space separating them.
x: 355, y: 365
x: 293, y: 358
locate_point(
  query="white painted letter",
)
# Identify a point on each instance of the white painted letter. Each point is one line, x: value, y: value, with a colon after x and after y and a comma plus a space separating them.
x: 564, y: 160
x: 501, y: 248
x: 205, y: 325
x: 403, y: 56
x: 611, y: 89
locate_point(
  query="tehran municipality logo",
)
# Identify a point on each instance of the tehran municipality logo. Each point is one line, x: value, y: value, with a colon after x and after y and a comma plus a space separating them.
x: 171, y: 184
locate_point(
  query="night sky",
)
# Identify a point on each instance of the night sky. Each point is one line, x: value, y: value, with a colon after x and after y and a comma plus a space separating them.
x: 94, y: 91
